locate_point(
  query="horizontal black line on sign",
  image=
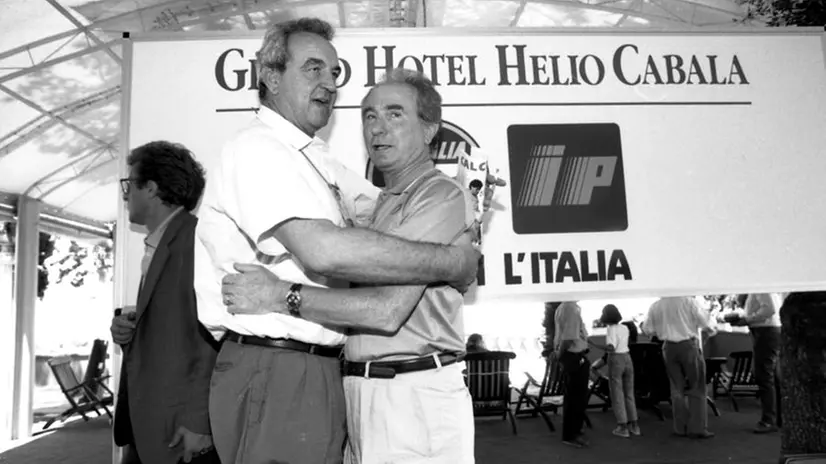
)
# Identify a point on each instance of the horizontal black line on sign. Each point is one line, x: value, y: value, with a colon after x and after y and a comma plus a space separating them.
x: 476, y: 105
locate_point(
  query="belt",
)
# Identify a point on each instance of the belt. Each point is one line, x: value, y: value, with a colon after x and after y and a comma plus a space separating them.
x: 692, y: 339
x: 389, y: 369
x: 285, y: 343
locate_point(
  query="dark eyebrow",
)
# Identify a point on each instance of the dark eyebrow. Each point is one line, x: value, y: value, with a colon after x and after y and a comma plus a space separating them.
x: 390, y: 107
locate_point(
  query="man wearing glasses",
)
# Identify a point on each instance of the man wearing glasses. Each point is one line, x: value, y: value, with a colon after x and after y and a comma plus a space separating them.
x: 162, y: 413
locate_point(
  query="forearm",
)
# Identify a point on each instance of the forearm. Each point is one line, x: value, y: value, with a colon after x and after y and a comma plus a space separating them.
x: 365, y: 256
x: 382, y: 309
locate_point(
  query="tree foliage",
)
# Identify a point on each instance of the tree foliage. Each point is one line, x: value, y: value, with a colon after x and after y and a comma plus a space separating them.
x: 45, y: 250
x: 788, y: 12
x: 75, y: 262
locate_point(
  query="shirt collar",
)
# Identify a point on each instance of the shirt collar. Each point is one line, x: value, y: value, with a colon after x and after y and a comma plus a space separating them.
x: 154, y: 238
x: 412, y: 179
x: 286, y: 130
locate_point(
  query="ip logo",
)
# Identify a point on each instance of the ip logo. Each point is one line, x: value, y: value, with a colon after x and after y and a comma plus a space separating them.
x: 566, y: 178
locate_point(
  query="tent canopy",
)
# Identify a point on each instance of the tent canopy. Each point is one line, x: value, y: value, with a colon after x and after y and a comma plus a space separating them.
x: 60, y: 68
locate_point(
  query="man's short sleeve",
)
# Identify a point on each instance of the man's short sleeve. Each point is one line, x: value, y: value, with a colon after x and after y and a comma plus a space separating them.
x: 568, y: 322
x: 271, y: 185
x: 699, y: 314
x: 438, y: 212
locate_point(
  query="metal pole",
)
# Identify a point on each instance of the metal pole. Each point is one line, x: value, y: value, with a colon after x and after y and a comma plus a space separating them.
x: 25, y: 290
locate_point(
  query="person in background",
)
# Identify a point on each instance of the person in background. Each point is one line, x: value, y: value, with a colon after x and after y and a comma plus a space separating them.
x: 475, y: 344
x: 762, y: 315
x: 620, y: 373
x: 571, y: 342
x: 678, y: 322
x: 162, y: 413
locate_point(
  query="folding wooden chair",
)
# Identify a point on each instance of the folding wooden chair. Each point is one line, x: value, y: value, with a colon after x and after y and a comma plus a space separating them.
x: 740, y: 380
x: 83, y: 396
x: 488, y: 380
x: 547, y: 395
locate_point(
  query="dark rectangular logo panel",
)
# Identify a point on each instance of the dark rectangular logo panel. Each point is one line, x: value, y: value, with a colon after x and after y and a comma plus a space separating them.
x: 566, y: 178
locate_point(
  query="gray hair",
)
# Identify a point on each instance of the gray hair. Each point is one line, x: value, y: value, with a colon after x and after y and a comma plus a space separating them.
x: 274, y: 53
x: 428, y: 100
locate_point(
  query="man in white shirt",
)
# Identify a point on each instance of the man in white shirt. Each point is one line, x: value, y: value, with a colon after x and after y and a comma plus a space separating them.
x: 762, y: 315
x: 274, y: 199
x: 678, y: 321
x: 571, y: 343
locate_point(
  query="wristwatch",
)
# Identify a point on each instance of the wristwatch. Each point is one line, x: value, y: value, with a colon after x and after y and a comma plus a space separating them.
x: 294, y: 300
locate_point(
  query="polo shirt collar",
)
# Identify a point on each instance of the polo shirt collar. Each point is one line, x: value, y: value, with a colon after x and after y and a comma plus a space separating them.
x: 412, y: 179
x: 287, y: 132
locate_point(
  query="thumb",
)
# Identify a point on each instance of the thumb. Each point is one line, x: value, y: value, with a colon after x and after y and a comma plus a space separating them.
x: 176, y: 439
x: 242, y: 268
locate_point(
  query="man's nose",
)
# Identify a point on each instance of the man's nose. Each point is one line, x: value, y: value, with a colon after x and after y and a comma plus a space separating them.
x: 378, y: 127
x: 328, y: 81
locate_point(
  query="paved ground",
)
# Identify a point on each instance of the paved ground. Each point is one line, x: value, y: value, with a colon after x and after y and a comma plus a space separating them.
x: 89, y: 443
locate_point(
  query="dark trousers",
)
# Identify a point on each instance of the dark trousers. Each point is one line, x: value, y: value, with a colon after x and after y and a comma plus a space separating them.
x: 766, y: 350
x: 686, y: 370
x: 271, y: 406
x: 575, y: 368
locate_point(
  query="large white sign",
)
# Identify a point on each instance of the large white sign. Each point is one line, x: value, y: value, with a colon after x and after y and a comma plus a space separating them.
x: 638, y: 164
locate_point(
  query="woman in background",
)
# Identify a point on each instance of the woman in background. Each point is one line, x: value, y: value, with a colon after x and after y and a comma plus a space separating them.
x: 620, y: 373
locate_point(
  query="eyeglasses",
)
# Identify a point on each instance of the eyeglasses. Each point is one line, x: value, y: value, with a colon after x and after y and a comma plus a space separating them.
x: 126, y: 183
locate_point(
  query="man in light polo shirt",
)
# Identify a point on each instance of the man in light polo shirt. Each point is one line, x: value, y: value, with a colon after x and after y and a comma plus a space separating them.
x: 406, y: 396
x: 678, y: 322
x: 571, y: 344
x: 762, y: 315
x: 273, y: 198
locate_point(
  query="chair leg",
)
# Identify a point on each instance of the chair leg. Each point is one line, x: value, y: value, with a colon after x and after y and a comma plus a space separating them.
x: 734, y: 402
x: 547, y: 420
x: 588, y: 422
x: 713, y: 405
x: 513, y: 420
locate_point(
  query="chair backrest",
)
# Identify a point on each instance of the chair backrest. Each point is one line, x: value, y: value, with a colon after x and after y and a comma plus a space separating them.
x: 62, y: 369
x: 741, y: 374
x: 650, y: 376
x: 488, y: 375
x: 97, y: 361
x: 553, y: 381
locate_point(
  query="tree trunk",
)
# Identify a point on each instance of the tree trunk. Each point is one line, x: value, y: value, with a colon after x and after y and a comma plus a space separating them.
x: 803, y: 373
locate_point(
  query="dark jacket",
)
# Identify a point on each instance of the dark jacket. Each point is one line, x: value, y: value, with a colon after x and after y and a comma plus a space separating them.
x: 167, y: 366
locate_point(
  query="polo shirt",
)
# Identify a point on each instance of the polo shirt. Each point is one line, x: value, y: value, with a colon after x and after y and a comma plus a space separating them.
x: 432, y: 208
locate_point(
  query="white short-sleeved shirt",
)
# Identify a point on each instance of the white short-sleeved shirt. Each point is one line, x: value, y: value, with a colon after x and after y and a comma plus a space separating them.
x: 675, y: 319
x: 617, y: 335
x: 262, y: 180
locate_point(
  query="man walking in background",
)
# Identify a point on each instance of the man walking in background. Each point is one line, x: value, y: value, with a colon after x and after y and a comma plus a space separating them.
x: 571, y: 341
x: 678, y: 322
x: 762, y: 315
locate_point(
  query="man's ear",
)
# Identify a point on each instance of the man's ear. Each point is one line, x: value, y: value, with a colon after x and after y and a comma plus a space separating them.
x: 272, y: 79
x: 429, y: 132
x: 151, y: 188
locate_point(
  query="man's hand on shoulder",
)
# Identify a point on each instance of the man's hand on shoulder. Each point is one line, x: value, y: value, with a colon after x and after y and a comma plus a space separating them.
x: 254, y: 290
x: 192, y: 444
